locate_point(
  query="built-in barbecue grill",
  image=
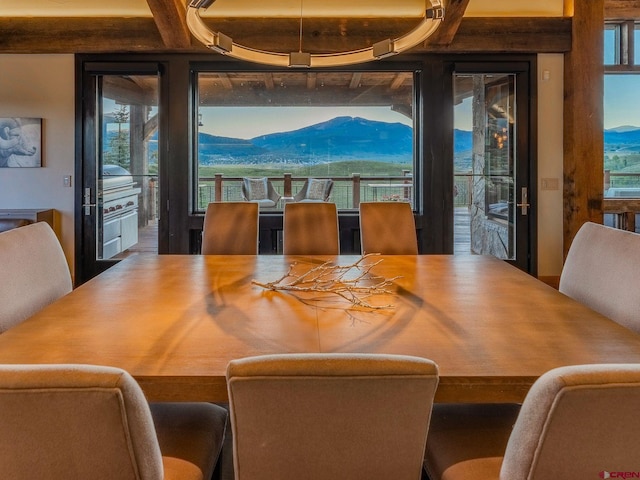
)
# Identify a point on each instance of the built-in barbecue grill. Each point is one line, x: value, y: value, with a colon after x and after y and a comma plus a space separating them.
x: 119, y: 211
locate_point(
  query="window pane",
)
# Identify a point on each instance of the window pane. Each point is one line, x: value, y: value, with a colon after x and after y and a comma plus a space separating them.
x: 355, y: 128
x: 611, y: 44
x: 622, y: 135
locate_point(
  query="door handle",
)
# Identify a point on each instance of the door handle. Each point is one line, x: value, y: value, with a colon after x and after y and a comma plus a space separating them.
x: 87, y: 202
x: 524, y: 198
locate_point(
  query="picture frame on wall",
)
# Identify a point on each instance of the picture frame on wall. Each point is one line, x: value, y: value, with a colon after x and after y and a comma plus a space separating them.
x: 20, y: 142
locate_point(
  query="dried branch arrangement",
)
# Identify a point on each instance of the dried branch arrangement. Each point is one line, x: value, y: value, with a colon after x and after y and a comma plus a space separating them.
x: 338, y: 280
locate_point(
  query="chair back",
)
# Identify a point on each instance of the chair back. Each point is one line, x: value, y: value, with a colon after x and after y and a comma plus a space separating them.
x: 75, y: 422
x: 602, y: 271
x: 33, y: 272
x: 315, y: 190
x: 577, y: 422
x: 387, y: 228
x: 311, y: 229
x: 230, y: 228
x: 260, y: 191
x: 328, y: 416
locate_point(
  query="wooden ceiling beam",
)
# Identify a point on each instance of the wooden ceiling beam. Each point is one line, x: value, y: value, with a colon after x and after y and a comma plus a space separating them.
x: 446, y: 32
x: 170, y: 17
x: 122, y: 35
x: 622, y: 9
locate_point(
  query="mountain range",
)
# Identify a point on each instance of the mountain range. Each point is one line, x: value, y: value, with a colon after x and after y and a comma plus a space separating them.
x: 341, y: 138
x: 352, y: 138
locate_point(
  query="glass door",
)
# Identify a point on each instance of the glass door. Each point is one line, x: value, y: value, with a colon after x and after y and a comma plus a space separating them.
x: 120, y: 211
x: 491, y: 168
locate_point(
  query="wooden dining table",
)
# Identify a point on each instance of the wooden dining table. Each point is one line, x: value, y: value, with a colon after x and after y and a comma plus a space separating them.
x: 175, y: 321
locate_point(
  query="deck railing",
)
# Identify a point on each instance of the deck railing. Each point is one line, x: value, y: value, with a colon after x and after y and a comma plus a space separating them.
x: 347, y: 193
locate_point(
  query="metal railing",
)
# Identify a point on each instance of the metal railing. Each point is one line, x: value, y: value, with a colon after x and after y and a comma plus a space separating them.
x: 347, y: 193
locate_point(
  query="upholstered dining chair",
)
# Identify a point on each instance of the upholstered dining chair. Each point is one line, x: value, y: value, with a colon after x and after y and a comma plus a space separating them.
x: 314, y: 190
x: 576, y: 422
x: 329, y: 416
x: 388, y: 228
x: 230, y: 228
x: 260, y: 191
x: 311, y: 229
x: 602, y: 271
x: 78, y: 422
x: 33, y: 272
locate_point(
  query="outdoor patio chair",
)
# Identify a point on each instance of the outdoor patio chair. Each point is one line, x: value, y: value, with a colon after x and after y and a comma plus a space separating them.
x: 79, y: 422
x: 335, y: 420
x: 576, y: 422
x: 314, y: 190
x: 260, y: 191
x: 33, y: 272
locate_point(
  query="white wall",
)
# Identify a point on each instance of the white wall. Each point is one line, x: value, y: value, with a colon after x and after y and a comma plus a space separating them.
x: 550, y: 163
x: 42, y: 86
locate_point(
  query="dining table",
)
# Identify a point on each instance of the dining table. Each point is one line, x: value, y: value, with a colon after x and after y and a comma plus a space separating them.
x: 175, y: 321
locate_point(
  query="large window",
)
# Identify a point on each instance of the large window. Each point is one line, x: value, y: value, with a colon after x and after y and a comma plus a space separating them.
x: 622, y: 111
x: 354, y: 128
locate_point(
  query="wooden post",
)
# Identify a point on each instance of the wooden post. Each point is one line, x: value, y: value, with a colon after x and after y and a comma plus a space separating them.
x: 583, y: 118
x: 287, y: 185
x: 218, y: 187
x: 355, y: 178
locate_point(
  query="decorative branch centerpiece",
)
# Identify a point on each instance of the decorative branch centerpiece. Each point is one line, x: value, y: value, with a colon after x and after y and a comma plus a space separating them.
x: 355, y: 282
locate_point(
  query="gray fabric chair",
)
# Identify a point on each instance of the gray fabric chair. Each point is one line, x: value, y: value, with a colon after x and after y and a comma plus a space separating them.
x: 33, y: 272
x: 388, y: 228
x: 311, y: 229
x: 314, y: 190
x: 575, y: 422
x: 230, y: 228
x: 11, y: 223
x: 329, y: 416
x: 79, y: 422
x: 602, y: 271
x: 260, y: 191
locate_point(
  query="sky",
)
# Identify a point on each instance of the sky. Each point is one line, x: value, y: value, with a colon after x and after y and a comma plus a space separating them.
x: 622, y: 100
x: 250, y: 122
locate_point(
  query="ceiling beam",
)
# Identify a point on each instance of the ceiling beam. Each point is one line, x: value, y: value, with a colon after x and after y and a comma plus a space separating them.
x: 621, y: 9
x: 170, y: 17
x: 124, y: 35
x: 446, y: 32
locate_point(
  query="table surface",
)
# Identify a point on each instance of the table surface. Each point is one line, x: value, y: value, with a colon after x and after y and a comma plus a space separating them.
x: 175, y: 321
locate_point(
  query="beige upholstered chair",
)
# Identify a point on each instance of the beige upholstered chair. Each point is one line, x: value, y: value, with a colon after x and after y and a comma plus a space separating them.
x: 388, y: 228
x: 314, y: 190
x: 575, y: 423
x: 79, y: 422
x: 260, y: 191
x: 230, y: 228
x: 311, y: 229
x: 330, y: 416
x: 602, y: 271
x: 33, y: 272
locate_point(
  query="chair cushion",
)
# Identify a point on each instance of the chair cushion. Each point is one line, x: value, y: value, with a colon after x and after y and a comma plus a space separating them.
x: 257, y: 188
x: 190, y: 437
x: 316, y: 189
x: 467, y: 441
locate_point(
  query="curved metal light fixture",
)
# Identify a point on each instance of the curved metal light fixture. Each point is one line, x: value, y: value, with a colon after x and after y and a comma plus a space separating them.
x: 221, y: 43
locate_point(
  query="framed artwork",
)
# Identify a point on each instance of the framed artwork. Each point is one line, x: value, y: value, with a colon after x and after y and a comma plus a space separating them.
x: 20, y: 142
